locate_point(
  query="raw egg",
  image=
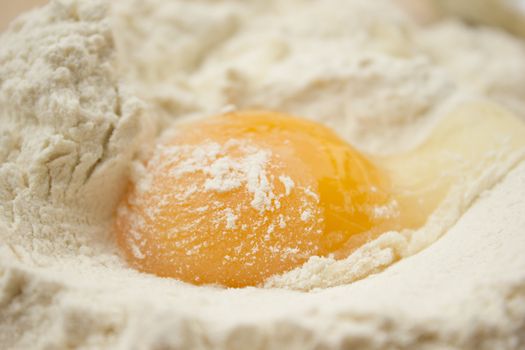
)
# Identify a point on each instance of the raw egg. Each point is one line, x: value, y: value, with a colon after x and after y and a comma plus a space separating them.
x: 237, y: 198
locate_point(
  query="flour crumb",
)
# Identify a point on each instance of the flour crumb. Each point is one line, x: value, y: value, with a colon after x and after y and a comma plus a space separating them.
x: 306, y: 215
x: 288, y: 184
x: 231, y: 219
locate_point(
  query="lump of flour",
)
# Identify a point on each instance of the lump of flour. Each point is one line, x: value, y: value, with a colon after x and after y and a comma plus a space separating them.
x: 68, y: 130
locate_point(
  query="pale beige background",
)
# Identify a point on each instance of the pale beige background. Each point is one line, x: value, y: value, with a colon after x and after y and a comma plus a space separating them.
x: 422, y: 10
x: 9, y: 9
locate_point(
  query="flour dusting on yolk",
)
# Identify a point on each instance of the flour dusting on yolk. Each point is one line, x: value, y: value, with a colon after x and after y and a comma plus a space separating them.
x: 238, y: 198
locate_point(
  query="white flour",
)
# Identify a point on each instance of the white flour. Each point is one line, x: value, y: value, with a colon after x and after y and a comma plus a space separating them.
x: 82, y: 94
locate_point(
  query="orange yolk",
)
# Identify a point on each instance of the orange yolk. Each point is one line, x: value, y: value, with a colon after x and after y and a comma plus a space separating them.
x: 237, y: 198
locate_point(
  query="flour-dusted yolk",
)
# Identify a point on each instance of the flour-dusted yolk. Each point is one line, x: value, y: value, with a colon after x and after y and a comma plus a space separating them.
x: 240, y: 197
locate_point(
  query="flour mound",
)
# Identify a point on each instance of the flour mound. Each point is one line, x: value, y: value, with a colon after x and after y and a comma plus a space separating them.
x: 66, y: 130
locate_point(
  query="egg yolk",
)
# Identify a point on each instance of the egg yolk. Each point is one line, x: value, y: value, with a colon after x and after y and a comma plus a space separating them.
x: 240, y: 197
